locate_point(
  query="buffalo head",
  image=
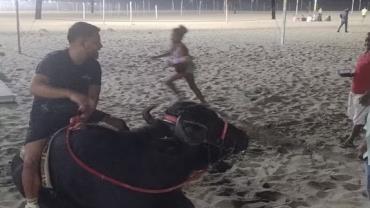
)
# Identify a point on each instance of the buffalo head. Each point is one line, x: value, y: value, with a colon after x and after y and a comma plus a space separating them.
x: 196, y: 124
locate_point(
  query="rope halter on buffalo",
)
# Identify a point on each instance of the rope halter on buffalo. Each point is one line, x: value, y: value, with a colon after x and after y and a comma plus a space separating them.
x: 74, y: 125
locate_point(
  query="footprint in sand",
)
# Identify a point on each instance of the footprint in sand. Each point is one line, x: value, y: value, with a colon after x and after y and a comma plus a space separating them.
x: 341, y: 177
x: 43, y: 32
x: 351, y: 155
x: 5, y: 179
x: 322, y: 185
x: 276, y: 177
x: 258, y: 151
x: 254, y: 165
x: 253, y: 203
x: 225, y: 192
x: 250, y: 172
x: 241, y: 193
x: 268, y: 195
x: 282, y: 150
x: 322, y: 194
x: 351, y: 187
x: 11, y: 151
x: 224, y: 203
x: 220, y: 182
x: 297, y: 204
x: 220, y: 167
x: 5, y: 182
x: 266, y: 185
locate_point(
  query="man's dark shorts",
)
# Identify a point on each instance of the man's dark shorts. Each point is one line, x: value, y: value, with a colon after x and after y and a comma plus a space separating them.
x: 44, y: 125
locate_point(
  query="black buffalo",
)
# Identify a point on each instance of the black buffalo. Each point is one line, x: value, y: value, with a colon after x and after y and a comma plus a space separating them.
x: 96, y: 167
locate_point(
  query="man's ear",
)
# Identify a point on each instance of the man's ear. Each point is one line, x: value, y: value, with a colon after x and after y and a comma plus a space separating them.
x: 80, y: 42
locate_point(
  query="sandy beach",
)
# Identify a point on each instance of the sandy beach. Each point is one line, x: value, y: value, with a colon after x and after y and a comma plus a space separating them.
x: 289, y: 99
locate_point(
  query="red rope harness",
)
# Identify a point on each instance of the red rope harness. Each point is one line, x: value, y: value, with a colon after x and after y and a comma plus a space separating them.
x: 74, y: 123
x: 224, y: 131
x: 170, y: 119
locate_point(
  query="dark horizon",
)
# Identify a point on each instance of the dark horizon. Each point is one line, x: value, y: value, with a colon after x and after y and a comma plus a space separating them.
x: 250, y: 5
x: 244, y: 5
x: 210, y: 5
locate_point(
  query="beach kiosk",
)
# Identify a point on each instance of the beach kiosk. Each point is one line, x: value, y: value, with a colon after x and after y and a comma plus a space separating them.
x: 6, y: 96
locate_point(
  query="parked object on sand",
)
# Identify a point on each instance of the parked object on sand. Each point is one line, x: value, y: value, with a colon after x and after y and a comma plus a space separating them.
x: 327, y: 18
x: 6, y: 95
x: 346, y: 73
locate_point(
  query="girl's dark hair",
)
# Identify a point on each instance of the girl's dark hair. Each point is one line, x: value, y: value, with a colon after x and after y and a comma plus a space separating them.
x: 181, y: 30
x: 81, y: 30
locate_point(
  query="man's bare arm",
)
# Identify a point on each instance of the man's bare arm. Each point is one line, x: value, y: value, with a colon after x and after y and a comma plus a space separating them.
x: 40, y: 87
x: 93, y: 94
x: 365, y: 99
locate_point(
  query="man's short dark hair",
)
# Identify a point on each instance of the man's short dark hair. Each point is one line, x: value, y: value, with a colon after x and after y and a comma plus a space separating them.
x: 81, y: 30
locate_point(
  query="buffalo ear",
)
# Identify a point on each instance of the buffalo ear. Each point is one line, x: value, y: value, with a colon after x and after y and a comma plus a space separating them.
x: 147, y: 116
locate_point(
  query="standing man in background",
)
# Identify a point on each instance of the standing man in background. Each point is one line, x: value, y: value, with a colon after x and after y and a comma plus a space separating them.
x: 344, y: 20
x: 319, y: 16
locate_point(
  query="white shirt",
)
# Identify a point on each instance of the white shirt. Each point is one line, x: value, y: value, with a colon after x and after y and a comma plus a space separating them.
x: 363, y: 11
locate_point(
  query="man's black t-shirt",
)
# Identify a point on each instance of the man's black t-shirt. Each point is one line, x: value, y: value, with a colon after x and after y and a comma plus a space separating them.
x: 62, y: 73
x: 344, y: 16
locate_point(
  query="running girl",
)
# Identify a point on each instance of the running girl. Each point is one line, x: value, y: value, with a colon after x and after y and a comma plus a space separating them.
x: 182, y: 62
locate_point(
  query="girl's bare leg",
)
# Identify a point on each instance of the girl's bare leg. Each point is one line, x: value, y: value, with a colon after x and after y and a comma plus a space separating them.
x: 170, y: 81
x: 190, y: 80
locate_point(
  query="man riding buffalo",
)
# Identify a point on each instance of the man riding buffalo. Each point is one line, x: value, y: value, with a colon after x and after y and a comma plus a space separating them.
x: 66, y: 82
x: 97, y: 167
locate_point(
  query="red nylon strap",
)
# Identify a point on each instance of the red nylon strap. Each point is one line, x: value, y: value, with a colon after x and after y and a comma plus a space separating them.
x: 170, y: 118
x: 103, y: 177
x: 74, y: 123
x: 224, y: 131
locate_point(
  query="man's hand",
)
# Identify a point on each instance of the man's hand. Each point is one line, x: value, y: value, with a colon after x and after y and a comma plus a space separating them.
x: 361, y: 149
x: 85, y: 105
x: 365, y: 99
